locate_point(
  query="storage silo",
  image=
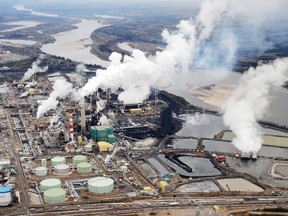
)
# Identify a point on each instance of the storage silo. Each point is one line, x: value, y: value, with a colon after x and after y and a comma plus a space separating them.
x: 79, y: 159
x: 54, y: 195
x: 41, y: 171
x: 44, y: 162
x: 58, y: 160
x: 49, y: 184
x: 100, y: 185
x: 84, y: 168
x: 88, y: 148
x: 62, y: 169
x: 5, y: 195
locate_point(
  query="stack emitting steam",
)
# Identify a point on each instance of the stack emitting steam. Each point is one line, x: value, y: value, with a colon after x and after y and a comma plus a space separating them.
x: 71, y: 127
x: 248, y: 103
x: 35, y: 68
x: 61, y: 90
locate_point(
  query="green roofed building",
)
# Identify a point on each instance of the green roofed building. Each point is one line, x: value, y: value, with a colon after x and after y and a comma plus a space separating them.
x: 102, y: 133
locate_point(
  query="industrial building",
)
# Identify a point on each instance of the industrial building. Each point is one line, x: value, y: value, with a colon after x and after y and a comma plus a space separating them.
x: 102, y: 133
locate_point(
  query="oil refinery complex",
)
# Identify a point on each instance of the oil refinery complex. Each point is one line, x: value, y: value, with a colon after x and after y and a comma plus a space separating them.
x: 106, y: 157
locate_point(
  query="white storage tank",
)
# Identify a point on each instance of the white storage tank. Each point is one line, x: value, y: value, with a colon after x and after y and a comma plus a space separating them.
x: 5, y: 195
x: 62, y: 169
x: 58, y: 160
x: 88, y: 148
x: 101, y: 185
x: 41, y: 171
x: 50, y: 183
x: 79, y: 159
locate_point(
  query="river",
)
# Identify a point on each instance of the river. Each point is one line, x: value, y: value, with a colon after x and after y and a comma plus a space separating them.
x: 76, y: 44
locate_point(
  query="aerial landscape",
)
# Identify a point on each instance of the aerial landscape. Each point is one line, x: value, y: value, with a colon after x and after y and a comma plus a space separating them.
x: 140, y: 108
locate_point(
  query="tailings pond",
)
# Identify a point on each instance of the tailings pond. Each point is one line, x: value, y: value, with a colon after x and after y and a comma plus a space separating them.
x: 198, y: 187
x: 183, y: 143
x: 201, y: 125
x: 227, y: 147
x: 188, y: 165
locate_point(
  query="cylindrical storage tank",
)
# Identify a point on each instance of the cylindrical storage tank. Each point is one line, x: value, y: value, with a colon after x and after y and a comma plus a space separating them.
x: 88, y: 148
x: 44, y: 162
x: 58, y: 160
x: 79, y: 159
x: 84, y: 168
x: 54, y: 195
x: 5, y: 195
x: 100, y: 185
x: 49, y: 184
x: 41, y: 171
x: 62, y: 169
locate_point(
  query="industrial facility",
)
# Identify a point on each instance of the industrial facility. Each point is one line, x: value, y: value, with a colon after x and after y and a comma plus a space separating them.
x: 104, y: 151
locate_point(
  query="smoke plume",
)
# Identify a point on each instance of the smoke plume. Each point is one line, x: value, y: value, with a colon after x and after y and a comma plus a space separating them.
x: 35, y: 68
x: 206, y: 41
x: 138, y: 73
x: 80, y: 76
x: 61, y: 89
x: 249, y: 101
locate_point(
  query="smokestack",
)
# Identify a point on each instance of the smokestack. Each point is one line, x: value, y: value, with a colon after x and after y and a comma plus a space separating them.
x: 71, y: 128
x: 83, y: 118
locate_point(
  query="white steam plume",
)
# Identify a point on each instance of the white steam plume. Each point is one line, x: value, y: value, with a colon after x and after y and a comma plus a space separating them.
x: 137, y: 73
x: 248, y: 103
x: 209, y: 16
x: 79, y: 78
x: 187, y: 46
x: 35, y: 68
x: 257, y: 11
x: 80, y: 68
x: 61, y: 90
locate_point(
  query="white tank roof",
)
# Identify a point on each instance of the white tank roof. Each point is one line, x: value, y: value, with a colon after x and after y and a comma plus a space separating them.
x: 50, y: 182
x: 62, y: 166
x: 101, y: 182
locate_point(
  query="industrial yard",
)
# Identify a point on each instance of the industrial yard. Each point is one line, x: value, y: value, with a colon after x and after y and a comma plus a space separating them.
x: 71, y: 155
x: 138, y: 110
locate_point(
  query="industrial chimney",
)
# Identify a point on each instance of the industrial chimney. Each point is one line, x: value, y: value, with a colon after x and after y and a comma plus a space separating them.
x: 71, y: 128
x: 83, y: 118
